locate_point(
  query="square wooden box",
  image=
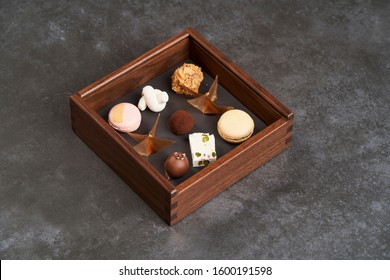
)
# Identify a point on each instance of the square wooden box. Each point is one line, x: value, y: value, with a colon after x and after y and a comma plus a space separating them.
x: 170, y: 202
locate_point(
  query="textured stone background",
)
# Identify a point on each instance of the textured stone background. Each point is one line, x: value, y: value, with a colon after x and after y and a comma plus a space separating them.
x: 326, y: 197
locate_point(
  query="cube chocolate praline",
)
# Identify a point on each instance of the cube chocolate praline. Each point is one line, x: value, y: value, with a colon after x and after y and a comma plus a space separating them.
x: 202, y: 149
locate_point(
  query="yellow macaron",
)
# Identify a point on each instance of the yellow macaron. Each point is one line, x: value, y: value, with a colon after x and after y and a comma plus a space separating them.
x: 235, y: 126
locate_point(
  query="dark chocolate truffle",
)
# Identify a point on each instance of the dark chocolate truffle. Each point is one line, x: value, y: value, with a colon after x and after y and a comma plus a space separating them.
x: 181, y: 122
x: 176, y: 165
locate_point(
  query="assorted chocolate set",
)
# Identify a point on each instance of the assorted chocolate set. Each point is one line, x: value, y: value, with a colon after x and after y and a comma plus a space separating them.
x: 234, y: 126
x: 181, y: 141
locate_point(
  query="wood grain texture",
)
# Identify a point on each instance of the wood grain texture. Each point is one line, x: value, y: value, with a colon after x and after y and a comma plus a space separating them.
x: 136, y: 73
x: 185, y: 206
x: 236, y: 81
x: 150, y: 185
x: 216, y: 177
x: 173, y: 204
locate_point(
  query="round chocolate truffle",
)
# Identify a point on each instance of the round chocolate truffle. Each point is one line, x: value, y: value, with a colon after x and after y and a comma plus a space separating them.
x: 176, y: 165
x: 181, y: 122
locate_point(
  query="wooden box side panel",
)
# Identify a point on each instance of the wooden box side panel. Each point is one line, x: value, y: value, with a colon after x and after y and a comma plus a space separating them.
x: 203, y: 187
x: 136, y: 73
x: 237, y: 82
x: 145, y: 181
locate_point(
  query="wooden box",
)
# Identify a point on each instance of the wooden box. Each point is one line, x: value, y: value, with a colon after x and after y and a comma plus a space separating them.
x: 174, y: 201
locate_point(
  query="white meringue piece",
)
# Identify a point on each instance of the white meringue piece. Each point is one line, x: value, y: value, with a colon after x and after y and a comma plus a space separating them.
x: 154, y: 99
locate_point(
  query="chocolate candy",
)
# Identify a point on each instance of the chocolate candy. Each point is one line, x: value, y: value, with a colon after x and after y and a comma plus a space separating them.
x: 181, y: 122
x: 176, y: 165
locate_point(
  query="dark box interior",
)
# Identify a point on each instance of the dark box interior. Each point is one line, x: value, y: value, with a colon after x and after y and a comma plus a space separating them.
x: 203, y: 123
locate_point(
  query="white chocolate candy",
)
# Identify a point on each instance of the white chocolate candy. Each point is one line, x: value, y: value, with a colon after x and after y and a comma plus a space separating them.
x: 202, y: 149
x: 154, y: 99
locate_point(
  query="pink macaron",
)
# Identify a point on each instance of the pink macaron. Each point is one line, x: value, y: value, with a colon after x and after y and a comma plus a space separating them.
x: 124, y: 117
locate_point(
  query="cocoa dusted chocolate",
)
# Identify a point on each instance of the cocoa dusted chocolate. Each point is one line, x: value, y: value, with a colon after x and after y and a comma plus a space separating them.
x: 181, y: 122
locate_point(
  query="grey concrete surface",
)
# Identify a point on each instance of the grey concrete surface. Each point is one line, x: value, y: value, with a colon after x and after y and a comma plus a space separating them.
x: 326, y: 197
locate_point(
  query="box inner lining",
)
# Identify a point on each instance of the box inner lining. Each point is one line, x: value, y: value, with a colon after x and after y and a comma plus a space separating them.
x: 203, y: 123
